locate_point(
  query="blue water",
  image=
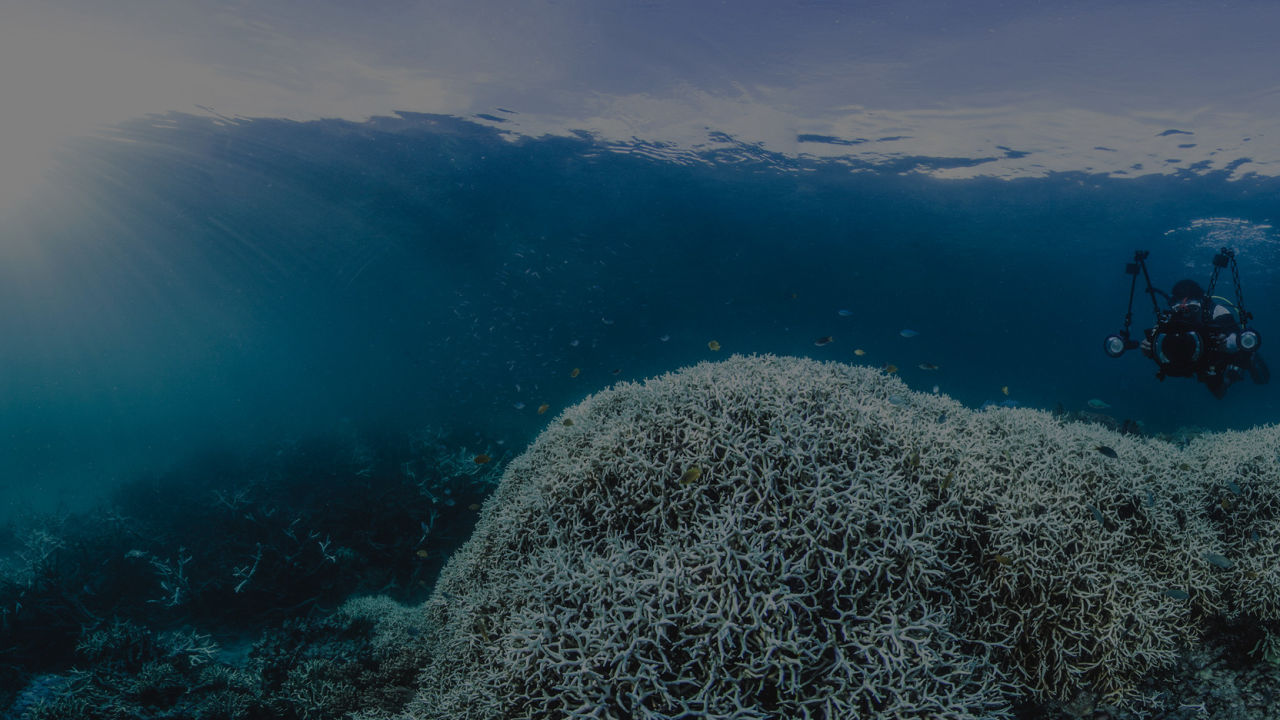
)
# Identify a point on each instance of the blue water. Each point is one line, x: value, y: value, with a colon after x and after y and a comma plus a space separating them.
x: 190, y: 282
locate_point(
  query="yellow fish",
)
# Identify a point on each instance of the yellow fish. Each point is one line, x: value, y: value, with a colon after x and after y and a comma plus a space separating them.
x: 543, y: 408
x: 691, y: 475
x: 1005, y: 389
x: 891, y: 368
x: 422, y: 553
x: 859, y: 352
x: 482, y: 459
x: 575, y: 372
x: 713, y: 345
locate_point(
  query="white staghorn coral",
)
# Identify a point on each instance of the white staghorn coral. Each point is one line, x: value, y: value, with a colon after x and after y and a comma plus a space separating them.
x: 845, y: 548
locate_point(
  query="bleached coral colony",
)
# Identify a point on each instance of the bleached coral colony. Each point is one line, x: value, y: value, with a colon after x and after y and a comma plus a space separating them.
x: 846, y: 548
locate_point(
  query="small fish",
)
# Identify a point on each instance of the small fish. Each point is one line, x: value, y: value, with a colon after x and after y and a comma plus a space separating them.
x: 573, y: 342
x: 1003, y: 559
x: 543, y: 408
x: 422, y: 554
x: 1233, y: 488
x: 664, y: 338
x: 845, y: 313
x: 859, y: 352
x: 606, y: 321
x: 713, y: 345
x: 1177, y: 594
x: 942, y: 417
x: 927, y: 366
x: 1005, y: 390
x: 897, y: 400
x: 1097, y: 404
x: 1220, y: 560
x: 691, y: 475
x: 908, y: 333
x: 890, y: 368
x: 616, y: 371
x: 473, y: 507
x: 934, y: 390
x: 1097, y: 515
x: 518, y: 406
x: 824, y: 340
x: 946, y: 481
x: 1151, y: 499
x: 568, y: 422
x: 1107, y: 451
x: 575, y: 372
x: 481, y: 459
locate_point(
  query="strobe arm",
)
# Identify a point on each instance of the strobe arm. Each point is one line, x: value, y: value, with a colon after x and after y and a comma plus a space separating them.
x: 1117, y: 344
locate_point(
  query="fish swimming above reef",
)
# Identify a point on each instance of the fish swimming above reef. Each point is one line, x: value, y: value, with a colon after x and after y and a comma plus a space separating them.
x: 927, y: 366
x: 859, y: 352
x: 1097, y: 404
x: 908, y: 333
x: 1006, y: 403
x: 824, y: 340
x: 713, y: 345
x: 1218, y: 560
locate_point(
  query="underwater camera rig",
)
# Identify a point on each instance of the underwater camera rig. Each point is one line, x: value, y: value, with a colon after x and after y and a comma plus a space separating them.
x: 1178, y: 326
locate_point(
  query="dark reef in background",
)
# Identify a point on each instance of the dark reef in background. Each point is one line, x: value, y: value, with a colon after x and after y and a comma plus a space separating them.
x: 222, y: 549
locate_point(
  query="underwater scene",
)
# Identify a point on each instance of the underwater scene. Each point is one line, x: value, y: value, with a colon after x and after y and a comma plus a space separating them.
x: 639, y: 360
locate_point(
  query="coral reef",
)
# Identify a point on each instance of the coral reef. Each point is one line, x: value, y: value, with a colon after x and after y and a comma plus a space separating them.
x: 359, y: 659
x: 107, y: 612
x: 775, y: 537
x: 762, y: 537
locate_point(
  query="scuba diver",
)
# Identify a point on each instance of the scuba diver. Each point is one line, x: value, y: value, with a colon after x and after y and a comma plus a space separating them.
x: 1199, y: 335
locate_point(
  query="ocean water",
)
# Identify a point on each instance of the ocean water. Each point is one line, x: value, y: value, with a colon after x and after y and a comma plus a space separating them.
x: 202, y: 283
x: 283, y: 292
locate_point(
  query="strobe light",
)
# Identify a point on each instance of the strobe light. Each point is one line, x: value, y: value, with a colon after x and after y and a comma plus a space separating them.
x: 1114, y: 345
